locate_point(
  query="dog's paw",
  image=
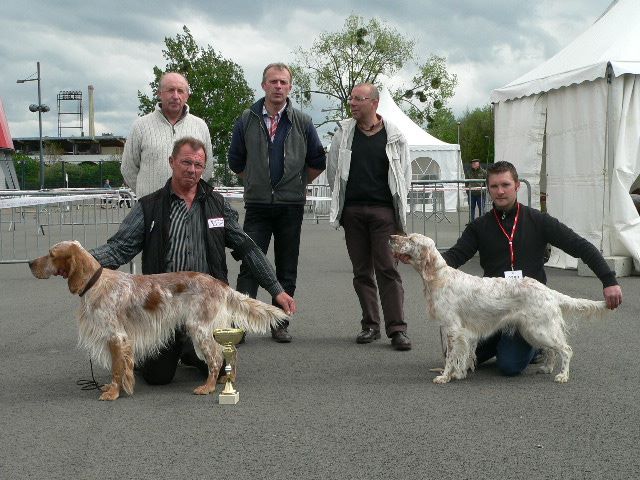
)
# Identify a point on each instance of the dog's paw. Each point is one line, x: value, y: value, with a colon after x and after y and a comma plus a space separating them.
x: 441, y: 379
x: 205, y: 389
x: 562, y: 378
x: 546, y: 369
x: 110, y: 392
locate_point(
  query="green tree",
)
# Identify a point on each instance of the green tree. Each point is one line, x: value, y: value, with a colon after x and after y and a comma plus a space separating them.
x: 363, y: 52
x: 476, y: 135
x: 444, y: 126
x: 219, y: 92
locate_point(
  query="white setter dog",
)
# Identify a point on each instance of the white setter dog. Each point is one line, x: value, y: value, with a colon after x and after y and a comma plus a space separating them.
x: 125, y: 318
x: 470, y: 308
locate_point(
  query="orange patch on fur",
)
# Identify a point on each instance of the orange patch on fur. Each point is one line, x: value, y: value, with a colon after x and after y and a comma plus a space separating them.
x: 179, y: 288
x: 153, y: 300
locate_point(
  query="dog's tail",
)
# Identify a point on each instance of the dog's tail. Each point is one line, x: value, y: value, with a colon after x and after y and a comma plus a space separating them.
x: 581, y: 307
x: 253, y: 315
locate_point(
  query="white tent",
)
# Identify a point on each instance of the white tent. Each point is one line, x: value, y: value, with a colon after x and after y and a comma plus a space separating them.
x: 571, y: 127
x: 431, y: 159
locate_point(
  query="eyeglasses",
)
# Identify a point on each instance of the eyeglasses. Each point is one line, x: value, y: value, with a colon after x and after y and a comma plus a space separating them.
x: 189, y: 164
x: 179, y: 91
x: 356, y: 98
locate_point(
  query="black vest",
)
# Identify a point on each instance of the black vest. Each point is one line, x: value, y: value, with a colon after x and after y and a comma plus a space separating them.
x: 156, y: 207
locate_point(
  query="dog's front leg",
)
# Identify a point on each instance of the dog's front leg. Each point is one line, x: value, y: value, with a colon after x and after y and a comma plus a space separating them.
x: 121, y: 368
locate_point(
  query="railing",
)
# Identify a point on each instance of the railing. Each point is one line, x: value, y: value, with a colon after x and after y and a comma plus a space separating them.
x: 440, y: 208
x: 32, y: 221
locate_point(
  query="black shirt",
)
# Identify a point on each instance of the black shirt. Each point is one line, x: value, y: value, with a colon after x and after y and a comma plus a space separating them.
x: 368, y: 182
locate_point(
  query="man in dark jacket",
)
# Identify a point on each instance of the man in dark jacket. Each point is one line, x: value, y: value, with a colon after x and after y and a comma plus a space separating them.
x: 511, y: 240
x: 185, y: 226
x: 276, y: 151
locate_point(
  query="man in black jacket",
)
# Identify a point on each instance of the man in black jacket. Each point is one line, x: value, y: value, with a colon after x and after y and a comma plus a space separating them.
x: 276, y: 151
x: 511, y: 240
x: 185, y: 226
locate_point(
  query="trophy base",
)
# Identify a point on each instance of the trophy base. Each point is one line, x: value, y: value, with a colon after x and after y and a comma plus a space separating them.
x: 228, y: 398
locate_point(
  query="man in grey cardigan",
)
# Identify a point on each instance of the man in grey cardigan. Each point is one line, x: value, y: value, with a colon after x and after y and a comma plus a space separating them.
x: 144, y: 161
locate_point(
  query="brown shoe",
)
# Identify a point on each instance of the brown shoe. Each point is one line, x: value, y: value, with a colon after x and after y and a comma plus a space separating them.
x: 368, y: 335
x: 281, y: 335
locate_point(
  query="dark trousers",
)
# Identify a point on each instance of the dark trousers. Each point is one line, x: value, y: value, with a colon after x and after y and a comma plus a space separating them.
x: 473, y: 201
x: 366, y: 231
x: 284, y: 223
x: 513, y: 354
x: 161, y: 368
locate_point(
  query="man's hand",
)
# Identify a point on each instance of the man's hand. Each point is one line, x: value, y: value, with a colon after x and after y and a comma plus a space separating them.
x: 613, y: 296
x: 287, y: 303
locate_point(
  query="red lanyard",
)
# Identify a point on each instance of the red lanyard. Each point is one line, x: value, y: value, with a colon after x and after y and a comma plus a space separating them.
x: 513, y: 233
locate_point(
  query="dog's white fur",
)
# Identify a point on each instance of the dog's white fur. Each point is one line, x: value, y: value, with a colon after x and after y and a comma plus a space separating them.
x: 125, y: 318
x: 469, y: 308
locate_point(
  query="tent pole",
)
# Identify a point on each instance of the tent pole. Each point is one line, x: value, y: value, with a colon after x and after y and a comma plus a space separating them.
x: 605, y: 166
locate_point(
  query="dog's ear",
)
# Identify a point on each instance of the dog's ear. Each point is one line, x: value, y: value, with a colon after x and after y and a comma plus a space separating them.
x: 77, y: 269
x: 428, y: 259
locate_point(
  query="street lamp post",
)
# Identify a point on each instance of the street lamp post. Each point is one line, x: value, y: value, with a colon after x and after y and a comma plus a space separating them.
x: 40, y: 108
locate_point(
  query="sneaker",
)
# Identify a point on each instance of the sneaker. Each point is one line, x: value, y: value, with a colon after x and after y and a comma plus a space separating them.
x: 400, y: 341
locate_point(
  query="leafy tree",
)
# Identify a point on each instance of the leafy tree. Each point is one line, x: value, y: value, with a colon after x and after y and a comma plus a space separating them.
x: 444, y: 126
x: 476, y: 135
x: 363, y: 52
x: 432, y: 87
x: 219, y: 92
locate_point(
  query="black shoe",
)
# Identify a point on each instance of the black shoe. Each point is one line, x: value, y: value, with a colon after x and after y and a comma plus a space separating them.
x: 281, y: 335
x: 368, y: 335
x: 400, y: 341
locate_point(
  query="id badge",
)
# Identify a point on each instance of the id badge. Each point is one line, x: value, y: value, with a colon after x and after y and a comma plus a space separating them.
x: 513, y: 274
x: 216, y: 222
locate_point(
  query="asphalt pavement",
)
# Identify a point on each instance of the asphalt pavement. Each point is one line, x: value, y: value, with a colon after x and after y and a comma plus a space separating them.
x: 322, y: 406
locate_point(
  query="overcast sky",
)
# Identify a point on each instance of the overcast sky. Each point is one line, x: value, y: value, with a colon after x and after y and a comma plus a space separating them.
x: 114, y: 45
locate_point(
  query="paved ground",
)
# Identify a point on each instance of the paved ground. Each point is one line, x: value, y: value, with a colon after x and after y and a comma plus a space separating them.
x: 322, y: 406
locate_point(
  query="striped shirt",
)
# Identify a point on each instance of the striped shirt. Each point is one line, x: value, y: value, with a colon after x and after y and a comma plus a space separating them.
x: 185, y: 253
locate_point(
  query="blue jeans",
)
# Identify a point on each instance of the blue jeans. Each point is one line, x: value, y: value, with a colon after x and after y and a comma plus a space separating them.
x: 284, y: 223
x: 473, y: 201
x: 513, y: 354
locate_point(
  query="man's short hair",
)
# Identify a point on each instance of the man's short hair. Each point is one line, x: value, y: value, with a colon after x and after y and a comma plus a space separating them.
x: 194, y: 143
x: 162, y: 77
x: 502, y: 167
x: 278, y: 66
x: 475, y: 160
x: 374, y: 93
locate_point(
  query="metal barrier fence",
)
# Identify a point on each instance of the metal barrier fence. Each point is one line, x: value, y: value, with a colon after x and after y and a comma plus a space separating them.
x: 440, y: 208
x: 32, y: 221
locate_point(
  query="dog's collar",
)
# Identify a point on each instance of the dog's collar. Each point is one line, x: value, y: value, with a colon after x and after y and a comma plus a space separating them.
x: 92, y: 281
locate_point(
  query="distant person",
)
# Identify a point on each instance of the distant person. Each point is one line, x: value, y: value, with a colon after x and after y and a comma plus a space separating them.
x: 369, y: 172
x: 106, y: 185
x: 476, y: 189
x: 144, y: 160
x: 276, y: 151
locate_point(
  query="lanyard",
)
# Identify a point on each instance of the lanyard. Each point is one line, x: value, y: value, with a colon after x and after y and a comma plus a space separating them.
x: 513, y: 233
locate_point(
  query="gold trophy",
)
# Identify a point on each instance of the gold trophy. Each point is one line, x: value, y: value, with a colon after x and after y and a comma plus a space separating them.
x: 229, y: 338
